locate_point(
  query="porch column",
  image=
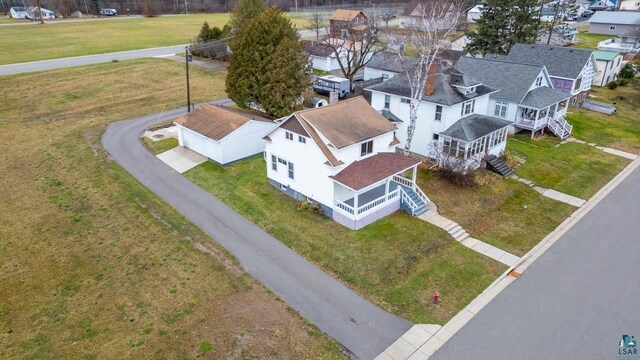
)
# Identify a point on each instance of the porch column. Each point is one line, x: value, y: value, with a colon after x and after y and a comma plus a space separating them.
x: 413, y: 176
x: 386, y: 187
x: 355, y: 203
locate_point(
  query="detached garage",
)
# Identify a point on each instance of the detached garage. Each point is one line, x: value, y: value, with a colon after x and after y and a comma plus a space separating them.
x: 223, y: 134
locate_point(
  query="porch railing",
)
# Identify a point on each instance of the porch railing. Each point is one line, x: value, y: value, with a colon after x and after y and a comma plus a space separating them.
x: 368, y: 207
x: 531, y: 124
x: 409, y: 183
x: 345, y: 207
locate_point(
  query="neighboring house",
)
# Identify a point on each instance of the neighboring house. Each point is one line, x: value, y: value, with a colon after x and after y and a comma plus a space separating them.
x: 474, y: 14
x: 602, y: 5
x: 628, y: 42
x: 343, y: 157
x: 609, y: 65
x: 322, y: 56
x: 561, y: 35
x: 629, y: 5
x: 460, y: 43
x: 222, y: 134
x: 451, y: 116
x: 18, y: 12
x: 614, y: 22
x: 33, y: 13
x: 346, y: 23
x: 385, y: 65
x: 418, y: 9
x: 526, y: 97
x: 571, y: 70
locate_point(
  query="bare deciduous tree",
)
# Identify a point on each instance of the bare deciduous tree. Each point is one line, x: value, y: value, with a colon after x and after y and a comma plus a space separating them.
x: 316, y: 23
x: 356, y: 45
x: 436, y: 20
x: 560, y: 9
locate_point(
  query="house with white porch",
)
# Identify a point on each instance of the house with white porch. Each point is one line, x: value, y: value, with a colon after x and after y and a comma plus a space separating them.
x: 451, y: 115
x: 343, y: 157
x: 571, y: 70
x: 526, y: 98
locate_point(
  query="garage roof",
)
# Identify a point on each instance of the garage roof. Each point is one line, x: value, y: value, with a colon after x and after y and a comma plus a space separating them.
x: 216, y: 122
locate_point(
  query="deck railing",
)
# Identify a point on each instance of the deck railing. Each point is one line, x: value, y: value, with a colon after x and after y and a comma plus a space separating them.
x: 371, y: 206
x: 410, y: 184
x: 531, y: 124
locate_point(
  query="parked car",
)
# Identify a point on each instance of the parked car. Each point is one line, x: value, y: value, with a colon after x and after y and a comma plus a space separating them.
x: 572, y: 16
x: 587, y: 13
x: 108, y: 12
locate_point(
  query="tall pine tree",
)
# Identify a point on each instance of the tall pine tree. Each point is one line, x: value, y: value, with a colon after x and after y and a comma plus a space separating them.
x: 268, y: 66
x: 244, y: 11
x: 502, y: 24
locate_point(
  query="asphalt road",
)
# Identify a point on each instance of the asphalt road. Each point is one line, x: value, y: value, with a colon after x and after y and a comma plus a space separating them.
x: 575, y: 301
x: 362, y: 328
x: 43, y: 65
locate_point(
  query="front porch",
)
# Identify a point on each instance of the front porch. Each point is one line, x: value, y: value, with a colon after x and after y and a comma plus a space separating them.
x: 541, y: 108
x: 375, y: 187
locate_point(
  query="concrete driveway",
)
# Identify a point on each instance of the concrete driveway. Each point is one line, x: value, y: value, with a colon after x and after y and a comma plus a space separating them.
x: 362, y: 328
x: 181, y: 159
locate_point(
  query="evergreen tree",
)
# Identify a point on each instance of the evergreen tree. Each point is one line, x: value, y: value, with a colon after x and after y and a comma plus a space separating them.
x: 502, y: 24
x: 244, y: 11
x: 268, y: 66
x: 205, y: 30
x: 627, y: 73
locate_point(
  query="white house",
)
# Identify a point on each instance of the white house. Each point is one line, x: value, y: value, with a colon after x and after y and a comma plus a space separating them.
x: 571, y: 70
x: 343, y: 157
x: 609, y: 65
x: 419, y: 9
x: 526, y: 98
x: 33, y: 13
x: 18, y: 12
x: 322, y: 56
x: 629, y: 5
x: 451, y: 115
x: 222, y: 134
x: 614, y: 22
x: 474, y: 14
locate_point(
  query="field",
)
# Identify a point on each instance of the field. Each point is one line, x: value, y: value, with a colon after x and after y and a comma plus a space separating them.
x: 590, y: 41
x: 51, y: 41
x: 93, y: 265
x: 621, y: 130
x: 396, y: 262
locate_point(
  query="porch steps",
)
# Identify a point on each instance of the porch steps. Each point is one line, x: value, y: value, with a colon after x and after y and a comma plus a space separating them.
x: 496, y: 165
x: 456, y: 231
x: 560, y: 127
x: 422, y: 207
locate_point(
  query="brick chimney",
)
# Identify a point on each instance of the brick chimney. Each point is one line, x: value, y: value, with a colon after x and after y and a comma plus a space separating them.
x: 430, y: 84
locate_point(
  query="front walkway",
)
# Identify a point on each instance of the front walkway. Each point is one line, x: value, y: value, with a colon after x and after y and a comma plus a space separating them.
x: 458, y: 233
x: 620, y: 153
x: 552, y: 194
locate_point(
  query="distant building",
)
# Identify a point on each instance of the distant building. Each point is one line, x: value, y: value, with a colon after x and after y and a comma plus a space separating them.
x: 419, y: 8
x: 349, y: 24
x: 474, y: 14
x: 613, y: 22
x: 562, y: 35
x: 18, y: 12
x: 629, y: 5
x: 34, y: 13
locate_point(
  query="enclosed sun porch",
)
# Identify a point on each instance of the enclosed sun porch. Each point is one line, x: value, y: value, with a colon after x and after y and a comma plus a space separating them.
x: 372, y: 188
x: 541, y: 108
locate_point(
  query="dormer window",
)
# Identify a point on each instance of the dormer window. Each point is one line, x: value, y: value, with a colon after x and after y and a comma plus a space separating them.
x: 539, y: 81
x: 366, y: 148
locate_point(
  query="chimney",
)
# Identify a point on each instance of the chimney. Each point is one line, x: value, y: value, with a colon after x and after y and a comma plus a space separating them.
x: 430, y: 84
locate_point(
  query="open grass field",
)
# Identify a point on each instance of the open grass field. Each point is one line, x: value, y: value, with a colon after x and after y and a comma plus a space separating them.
x: 620, y: 130
x: 590, y: 41
x: 93, y: 265
x: 574, y: 169
x: 501, y: 212
x: 51, y: 41
x: 397, y: 262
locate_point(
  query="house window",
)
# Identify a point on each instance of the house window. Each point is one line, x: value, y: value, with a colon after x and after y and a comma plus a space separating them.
x: 618, y: 62
x: 611, y: 67
x: 612, y: 27
x: 436, y: 136
x: 302, y: 139
x: 501, y: 109
x: 387, y: 101
x: 274, y: 163
x: 290, y: 170
x: 344, y: 33
x: 467, y: 107
x: 405, y: 101
x: 366, y: 148
x: 289, y: 135
x: 282, y: 161
x: 385, y: 77
x: 539, y: 81
x: 438, y: 113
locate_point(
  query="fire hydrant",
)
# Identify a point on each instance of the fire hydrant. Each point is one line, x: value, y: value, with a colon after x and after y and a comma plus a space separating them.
x: 436, y: 297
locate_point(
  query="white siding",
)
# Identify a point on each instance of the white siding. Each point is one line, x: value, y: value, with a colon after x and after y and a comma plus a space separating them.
x: 605, y: 71
x: 588, y: 73
x: 372, y: 73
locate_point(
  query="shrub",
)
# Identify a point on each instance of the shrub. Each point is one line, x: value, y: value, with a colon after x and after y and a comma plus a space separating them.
x: 612, y: 85
x: 622, y: 82
x: 309, y: 207
x: 627, y: 72
x: 457, y: 178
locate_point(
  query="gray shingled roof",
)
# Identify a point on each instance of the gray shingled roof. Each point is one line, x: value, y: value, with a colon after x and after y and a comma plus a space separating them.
x: 559, y: 61
x: 512, y: 79
x: 615, y: 17
x: 444, y: 93
x: 542, y: 97
x: 390, y: 116
x: 390, y: 62
x: 474, y: 127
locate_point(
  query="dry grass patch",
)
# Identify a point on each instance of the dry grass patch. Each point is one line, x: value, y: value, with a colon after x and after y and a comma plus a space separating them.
x: 93, y: 265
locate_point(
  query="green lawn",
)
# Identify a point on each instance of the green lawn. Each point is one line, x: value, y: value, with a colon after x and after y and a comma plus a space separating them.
x: 50, y: 41
x: 620, y: 130
x: 574, y: 169
x: 160, y: 146
x: 397, y: 262
x: 501, y: 212
x: 590, y: 41
x: 95, y: 266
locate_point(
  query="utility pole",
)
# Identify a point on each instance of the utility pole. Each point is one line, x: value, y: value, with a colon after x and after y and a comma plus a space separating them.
x: 187, y: 60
